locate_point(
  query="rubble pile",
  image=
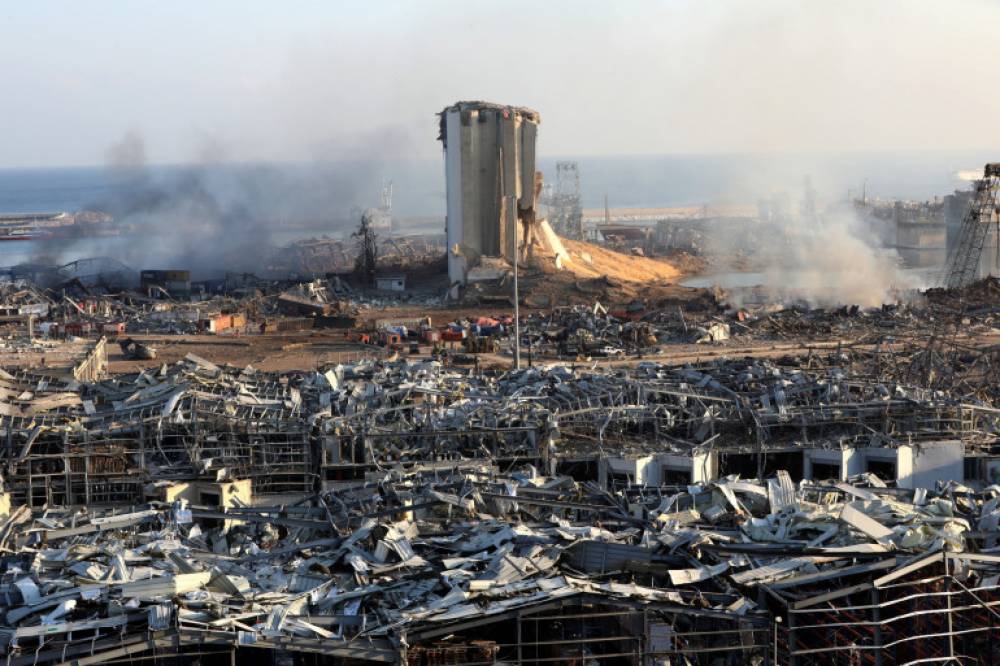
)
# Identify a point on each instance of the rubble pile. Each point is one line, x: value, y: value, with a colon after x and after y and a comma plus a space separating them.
x: 373, y: 510
x: 859, y: 325
x: 327, y: 255
x: 977, y: 297
x: 340, y: 422
x: 798, y: 508
x: 643, y: 327
x: 23, y: 298
x: 353, y: 573
x: 373, y: 572
x: 578, y: 331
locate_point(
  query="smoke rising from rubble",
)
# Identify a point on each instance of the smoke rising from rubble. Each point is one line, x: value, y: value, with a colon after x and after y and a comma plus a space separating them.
x: 829, y: 258
x: 212, y: 217
x: 837, y: 261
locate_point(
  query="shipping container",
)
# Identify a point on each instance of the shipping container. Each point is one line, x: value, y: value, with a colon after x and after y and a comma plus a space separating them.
x: 113, y: 328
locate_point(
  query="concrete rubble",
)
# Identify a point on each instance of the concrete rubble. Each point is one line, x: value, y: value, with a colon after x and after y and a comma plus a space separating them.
x: 822, y: 503
x: 358, y: 574
x: 368, y: 572
x: 409, y: 512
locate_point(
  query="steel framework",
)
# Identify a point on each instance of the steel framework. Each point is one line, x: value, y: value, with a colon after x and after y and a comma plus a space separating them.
x: 565, y: 210
x: 983, y: 215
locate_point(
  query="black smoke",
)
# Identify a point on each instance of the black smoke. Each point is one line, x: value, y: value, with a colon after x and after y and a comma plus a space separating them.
x: 213, y: 217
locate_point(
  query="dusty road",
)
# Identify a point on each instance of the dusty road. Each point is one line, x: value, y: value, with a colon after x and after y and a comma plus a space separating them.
x: 309, y: 349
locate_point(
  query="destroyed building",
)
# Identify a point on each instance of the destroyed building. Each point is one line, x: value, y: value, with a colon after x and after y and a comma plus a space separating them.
x: 408, y: 513
x: 166, y: 283
x: 916, y: 229
x: 719, y: 510
x: 489, y: 161
x: 564, y: 201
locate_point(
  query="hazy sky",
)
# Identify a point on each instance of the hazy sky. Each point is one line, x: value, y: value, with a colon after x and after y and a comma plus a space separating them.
x: 245, y: 80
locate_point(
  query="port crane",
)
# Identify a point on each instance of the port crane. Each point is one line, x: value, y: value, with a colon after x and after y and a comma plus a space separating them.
x: 982, y: 217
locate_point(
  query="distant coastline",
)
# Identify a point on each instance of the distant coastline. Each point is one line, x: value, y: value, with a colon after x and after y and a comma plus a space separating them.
x: 332, y: 190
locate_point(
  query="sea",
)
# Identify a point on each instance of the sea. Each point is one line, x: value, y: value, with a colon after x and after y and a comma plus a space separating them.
x: 276, y: 203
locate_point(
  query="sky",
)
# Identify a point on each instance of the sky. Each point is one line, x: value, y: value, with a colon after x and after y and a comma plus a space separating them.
x: 240, y: 80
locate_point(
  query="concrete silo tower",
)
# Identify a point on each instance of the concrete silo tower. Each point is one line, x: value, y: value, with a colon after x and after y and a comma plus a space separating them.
x: 489, y: 161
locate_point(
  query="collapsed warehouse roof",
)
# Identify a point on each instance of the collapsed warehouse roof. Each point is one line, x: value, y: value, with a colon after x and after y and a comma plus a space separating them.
x: 285, y: 430
x: 388, y: 511
x: 409, y: 566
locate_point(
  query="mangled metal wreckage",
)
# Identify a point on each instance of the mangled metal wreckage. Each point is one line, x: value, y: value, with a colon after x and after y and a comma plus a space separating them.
x: 411, y: 513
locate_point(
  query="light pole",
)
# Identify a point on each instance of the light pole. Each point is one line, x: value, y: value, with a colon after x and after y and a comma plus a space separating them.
x: 512, y: 215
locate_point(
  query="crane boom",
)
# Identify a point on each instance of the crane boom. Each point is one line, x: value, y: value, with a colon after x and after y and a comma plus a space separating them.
x: 983, y: 215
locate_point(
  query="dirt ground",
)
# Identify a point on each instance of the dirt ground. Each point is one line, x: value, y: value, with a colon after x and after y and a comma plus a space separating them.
x: 615, y: 280
x: 309, y: 349
x: 272, y: 352
x: 588, y: 260
x: 304, y: 351
x: 294, y: 350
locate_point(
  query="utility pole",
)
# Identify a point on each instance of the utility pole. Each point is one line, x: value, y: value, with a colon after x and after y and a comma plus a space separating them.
x: 512, y: 215
x: 508, y: 208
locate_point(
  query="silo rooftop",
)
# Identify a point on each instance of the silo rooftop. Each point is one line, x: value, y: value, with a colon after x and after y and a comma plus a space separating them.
x: 473, y: 105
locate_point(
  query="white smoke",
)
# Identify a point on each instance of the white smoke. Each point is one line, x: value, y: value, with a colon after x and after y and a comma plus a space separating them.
x: 800, y: 252
x: 837, y: 260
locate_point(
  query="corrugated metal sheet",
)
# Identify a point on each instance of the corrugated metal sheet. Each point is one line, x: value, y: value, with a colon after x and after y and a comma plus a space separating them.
x: 599, y: 557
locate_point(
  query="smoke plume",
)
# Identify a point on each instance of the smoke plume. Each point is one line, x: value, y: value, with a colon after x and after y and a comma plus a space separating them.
x: 838, y: 260
x: 212, y: 217
x: 798, y: 253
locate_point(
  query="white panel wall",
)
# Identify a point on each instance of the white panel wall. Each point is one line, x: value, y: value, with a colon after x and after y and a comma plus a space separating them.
x: 841, y: 457
x: 923, y: 465
x: 702, y: 466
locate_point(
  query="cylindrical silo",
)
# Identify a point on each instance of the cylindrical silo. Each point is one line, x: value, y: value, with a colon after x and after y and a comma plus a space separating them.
x: 489, y: 155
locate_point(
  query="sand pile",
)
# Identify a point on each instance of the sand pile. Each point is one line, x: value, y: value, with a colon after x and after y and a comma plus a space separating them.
x: 587, y: 260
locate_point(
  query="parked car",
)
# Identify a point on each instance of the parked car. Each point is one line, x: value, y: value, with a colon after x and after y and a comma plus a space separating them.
x: 608, y: 350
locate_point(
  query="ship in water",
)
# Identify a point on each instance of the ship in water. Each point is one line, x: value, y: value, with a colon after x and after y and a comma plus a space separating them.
x: 62, y: 225
x: 24, y: 235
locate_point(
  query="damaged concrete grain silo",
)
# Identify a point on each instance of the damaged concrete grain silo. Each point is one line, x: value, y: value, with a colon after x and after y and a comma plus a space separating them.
x: 489, y: 160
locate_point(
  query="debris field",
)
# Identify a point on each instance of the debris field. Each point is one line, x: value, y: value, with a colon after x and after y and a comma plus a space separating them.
x: 412, y: 512
x: 666, y: 482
